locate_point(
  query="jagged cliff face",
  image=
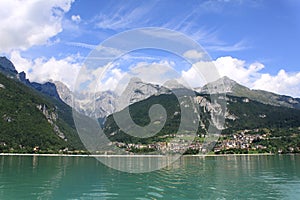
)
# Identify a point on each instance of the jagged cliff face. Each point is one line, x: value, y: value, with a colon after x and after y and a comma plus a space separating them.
x: 64, y: 93
x: 136, y: 91
x: 96, y: 105
x: 52, y: 117
x: 103, y: 103
x: 214, y: 112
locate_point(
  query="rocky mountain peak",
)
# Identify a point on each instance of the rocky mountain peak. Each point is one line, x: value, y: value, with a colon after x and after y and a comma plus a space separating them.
x: 222, y: 85
x: 7, y: 67
x: 138, y: 90
x: 227, y: 81
x: 47, y: 88
x: 136, y: 85
x: 23, y: 79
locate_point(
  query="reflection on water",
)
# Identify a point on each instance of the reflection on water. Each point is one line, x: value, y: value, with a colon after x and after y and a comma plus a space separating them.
x: 232, y: 177
x: 137, y: 164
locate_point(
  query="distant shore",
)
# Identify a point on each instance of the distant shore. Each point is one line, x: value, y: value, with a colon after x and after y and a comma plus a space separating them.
x: 220, y: 155
x: 107, y: 156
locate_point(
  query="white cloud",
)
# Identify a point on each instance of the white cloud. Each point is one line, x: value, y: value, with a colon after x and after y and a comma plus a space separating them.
x: 76, y: 18
x: 116, y: 79
x: 238, y: 70
x: 234, y: 68
x: 193, y: 54
x: 249, y: 75
x: 244, y: 73
x: 27, y: 23
x: 154, y: 72
x: 193, y: 78
x: 112, y: 80
x: 102, y: 78
x: 281, y: 83
x: 41, y: 69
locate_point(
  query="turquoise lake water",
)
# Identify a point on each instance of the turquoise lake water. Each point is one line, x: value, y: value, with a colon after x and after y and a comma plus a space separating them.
x: 231, y: 177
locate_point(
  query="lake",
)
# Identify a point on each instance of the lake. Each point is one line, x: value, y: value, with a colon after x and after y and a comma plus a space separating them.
x: 222, y: 177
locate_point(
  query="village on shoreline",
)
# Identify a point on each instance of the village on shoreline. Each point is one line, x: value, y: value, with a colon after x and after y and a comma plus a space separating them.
x: 241, y: 143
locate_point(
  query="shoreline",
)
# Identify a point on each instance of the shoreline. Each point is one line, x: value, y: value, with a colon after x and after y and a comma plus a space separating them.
x: 136, y: 156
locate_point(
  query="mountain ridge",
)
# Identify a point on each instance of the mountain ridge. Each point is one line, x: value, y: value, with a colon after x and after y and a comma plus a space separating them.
x: 235, y: 89
x: 31, y: 117
x: 106, y: 101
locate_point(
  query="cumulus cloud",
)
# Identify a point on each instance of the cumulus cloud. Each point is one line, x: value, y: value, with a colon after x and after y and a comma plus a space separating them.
x: 27, y: 23
x: 281, y: 83
x: 234, y: 68
x: 193, y: 78
x: 41, y: 69
x: 246, y: 74
x: 76, y: 18
x: 238, y: 70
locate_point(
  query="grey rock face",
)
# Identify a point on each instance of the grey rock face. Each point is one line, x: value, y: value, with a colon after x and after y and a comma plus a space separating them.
x: 136, y: 91
x: 23, y: 79
x: 64, y: 93
x: 103, y: 103
x: 47, y: 88
x: 230, y: 87
x: 222, y: 85
x: 7, y: 67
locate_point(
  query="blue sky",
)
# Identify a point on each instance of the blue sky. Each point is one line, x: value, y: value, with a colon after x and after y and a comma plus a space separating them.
x: 237, y: 34
x: 251, y: 30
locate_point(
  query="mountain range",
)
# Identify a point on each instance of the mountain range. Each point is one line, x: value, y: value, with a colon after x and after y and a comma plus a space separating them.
x: 136, y: 90
x: 39, y: 116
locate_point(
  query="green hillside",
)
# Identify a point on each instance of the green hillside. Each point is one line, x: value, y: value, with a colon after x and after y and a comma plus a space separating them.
x: 281, y: 123
x: 139, y: 113
x: 253, y: 114
x: 29, y: 119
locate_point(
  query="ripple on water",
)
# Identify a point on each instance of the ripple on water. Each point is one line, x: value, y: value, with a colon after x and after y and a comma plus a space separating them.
x: 189, y: 178
x: 156, y: 188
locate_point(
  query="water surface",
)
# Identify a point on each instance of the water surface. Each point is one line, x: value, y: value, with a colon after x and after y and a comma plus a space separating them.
x: 228, y: 177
